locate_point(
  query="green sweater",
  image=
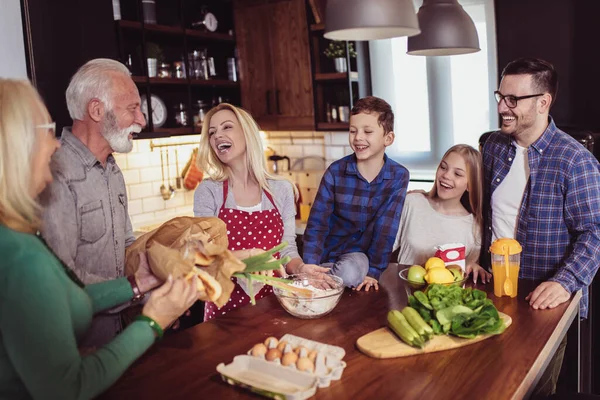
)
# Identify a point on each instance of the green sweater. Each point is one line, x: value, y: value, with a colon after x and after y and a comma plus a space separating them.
x: 42, y: 315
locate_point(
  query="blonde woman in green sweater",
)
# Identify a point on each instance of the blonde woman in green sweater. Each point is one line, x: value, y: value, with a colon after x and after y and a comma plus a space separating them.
x: 44, y: 307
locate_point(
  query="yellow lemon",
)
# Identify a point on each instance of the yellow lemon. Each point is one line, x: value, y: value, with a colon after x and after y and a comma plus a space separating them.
x: 434, y: 262
x: 439, y: 275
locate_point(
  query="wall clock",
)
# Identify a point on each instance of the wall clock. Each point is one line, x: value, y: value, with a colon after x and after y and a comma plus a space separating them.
x: 159, y: 110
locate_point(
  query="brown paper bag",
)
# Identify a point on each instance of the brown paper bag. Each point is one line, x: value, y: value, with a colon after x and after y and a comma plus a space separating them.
x: 171, y: 249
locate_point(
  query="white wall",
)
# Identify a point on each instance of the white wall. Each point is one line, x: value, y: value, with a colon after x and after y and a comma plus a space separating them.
x: 12, y: 49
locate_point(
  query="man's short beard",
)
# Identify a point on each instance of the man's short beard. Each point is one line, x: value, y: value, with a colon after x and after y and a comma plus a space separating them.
x: 117, y: 138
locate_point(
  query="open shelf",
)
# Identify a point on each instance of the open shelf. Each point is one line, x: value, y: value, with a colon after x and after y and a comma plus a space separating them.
x: 223, y: 37
x: 214, y: 82
x: 168, y: 81
x: 317, y: 27
x: 139, y: 79
x: 333, y: 126
x: 177, y: 30
x: 336, y: 76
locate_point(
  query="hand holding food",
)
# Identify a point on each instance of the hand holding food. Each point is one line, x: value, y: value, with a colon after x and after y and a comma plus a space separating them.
x: 171, y: 300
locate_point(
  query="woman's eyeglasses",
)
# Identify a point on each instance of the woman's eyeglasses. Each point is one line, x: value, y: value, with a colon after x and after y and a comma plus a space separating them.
x: 51, y: 127
x: 510, y: 100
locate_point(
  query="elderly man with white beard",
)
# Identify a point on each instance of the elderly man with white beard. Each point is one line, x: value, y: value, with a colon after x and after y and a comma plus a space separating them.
x: 86, y: 221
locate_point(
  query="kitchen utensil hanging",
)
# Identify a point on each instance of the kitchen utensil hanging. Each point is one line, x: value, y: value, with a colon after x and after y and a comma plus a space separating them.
x: 171, y: 188
x: 164, y: 192
x: 178, y: 179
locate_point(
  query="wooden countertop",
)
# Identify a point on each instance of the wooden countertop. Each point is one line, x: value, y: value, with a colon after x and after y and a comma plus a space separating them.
x: 183, y: 366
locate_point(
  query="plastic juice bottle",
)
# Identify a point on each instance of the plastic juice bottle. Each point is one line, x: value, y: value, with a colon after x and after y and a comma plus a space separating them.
x: 502, y: 249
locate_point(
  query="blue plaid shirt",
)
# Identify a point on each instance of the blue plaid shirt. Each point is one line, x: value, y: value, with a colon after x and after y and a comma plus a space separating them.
x: 559, y: 220
x: 352, y: 215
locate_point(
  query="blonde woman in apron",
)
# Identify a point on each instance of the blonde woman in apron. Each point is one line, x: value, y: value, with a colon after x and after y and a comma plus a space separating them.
x: 258, y: 208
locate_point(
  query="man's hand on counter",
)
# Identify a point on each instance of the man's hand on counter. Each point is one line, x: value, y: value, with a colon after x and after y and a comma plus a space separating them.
x: 548, y: 295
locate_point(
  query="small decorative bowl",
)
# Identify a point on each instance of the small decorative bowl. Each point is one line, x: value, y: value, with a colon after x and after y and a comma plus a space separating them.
x: 412, y: 286
x: 319, y: 304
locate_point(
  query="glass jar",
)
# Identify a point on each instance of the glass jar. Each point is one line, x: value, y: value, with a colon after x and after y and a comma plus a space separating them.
x: 181, y: 118
x: 202, y: 108
x: 164, y: 71
x: 179, y: 67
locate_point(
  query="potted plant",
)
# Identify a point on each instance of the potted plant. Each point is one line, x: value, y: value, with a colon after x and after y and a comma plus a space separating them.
x: 337, y: 50
x: 154, y: 55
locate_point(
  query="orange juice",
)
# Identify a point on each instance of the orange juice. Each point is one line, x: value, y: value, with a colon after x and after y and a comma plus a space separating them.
x: 499, y: 273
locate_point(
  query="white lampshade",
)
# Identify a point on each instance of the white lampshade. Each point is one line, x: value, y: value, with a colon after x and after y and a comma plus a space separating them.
x: 446, y: 29
x: 370, y: 19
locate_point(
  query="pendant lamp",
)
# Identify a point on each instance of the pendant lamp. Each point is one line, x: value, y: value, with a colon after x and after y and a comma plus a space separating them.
x: 370, y: 19
x: 446, y: 29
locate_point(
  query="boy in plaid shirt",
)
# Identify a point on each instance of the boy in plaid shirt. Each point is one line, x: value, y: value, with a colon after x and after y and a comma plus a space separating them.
x: 355, y: 216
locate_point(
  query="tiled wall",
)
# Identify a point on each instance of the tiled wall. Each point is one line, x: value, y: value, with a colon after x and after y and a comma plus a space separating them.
x: 310, y: 153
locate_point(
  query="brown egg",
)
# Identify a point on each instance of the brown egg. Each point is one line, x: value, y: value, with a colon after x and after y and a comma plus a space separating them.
x: 298, y: 349
x: 312, y: 355
x: 259, y: 349
x: 289, y: 358
x: 281, y: 345
x: 271, y: 342
x: 273, y: 354
x: 304, y: 364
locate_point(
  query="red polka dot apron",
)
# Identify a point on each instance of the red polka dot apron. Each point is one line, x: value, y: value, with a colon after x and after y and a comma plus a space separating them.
x: 247, y: 230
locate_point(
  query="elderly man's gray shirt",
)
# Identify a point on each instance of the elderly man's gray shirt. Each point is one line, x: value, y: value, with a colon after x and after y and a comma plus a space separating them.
x: 86, y: 220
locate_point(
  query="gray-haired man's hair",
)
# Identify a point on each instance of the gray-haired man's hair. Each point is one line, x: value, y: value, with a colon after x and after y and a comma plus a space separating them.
x: 91, y: 81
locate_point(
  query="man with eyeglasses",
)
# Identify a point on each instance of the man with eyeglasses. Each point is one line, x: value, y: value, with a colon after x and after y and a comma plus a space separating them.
x: 86, y: 221
x: 542, y: 188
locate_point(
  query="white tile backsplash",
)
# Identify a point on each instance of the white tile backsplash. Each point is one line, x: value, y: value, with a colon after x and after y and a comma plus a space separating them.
x: 150, y: 174
x: 142, y: 170
x: 141, y: 191
x: 135, y: 207
x: 151, y: 204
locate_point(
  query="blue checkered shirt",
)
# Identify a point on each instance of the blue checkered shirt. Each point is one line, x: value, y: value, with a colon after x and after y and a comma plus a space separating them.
x: 352, y: 215
x: 558, y: 224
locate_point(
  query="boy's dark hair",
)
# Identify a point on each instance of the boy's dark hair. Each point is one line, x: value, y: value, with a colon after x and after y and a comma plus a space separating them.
x: 370, y: 104
x: 543, y: 74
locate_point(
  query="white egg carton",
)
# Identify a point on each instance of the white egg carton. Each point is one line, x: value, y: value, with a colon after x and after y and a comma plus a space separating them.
x: 288, y: 382
x: 268, y: 379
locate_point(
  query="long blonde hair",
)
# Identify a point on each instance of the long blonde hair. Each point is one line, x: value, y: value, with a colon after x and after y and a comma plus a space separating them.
x: 208, y: 161
x: 472, y: 199
x: 20, y: 103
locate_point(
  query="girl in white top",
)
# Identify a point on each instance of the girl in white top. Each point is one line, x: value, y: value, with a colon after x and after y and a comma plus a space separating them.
x: 451, y: 212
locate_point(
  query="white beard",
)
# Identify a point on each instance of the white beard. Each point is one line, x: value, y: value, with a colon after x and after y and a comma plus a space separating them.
x: 118, y: 139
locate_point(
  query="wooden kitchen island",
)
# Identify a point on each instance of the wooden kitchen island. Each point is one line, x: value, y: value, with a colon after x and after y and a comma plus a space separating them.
x: 183, y: 366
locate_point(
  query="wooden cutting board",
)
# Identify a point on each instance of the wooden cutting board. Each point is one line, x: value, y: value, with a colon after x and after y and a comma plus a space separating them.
x: 383, y: 343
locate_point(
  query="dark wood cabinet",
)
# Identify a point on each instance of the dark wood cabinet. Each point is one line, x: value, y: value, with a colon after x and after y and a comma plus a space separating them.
x: 275, y: 67
x: 172, y: 40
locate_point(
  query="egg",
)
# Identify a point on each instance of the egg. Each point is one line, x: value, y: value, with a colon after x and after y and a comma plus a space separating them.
x: 289, y: 358
x: 312, y: 355
x: 271, y: 342
x: 273, y: 354
x: 281, y: 345
x: 298, y: 349
x: 259, y: 349
x: 304, y: 364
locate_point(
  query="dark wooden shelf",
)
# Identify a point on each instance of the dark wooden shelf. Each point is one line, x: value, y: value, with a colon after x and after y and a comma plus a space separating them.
x: 168, y: 81
x: 223, y: 37
x: 336, y: 76
x: 177, y: 30
x: 139, y: 79
x: 333, y: 126
x: 214, y: 82
x: 317, y: 27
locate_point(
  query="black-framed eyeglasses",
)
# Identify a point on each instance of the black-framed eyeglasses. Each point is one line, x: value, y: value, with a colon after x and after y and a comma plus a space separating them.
x: 510, y: 100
